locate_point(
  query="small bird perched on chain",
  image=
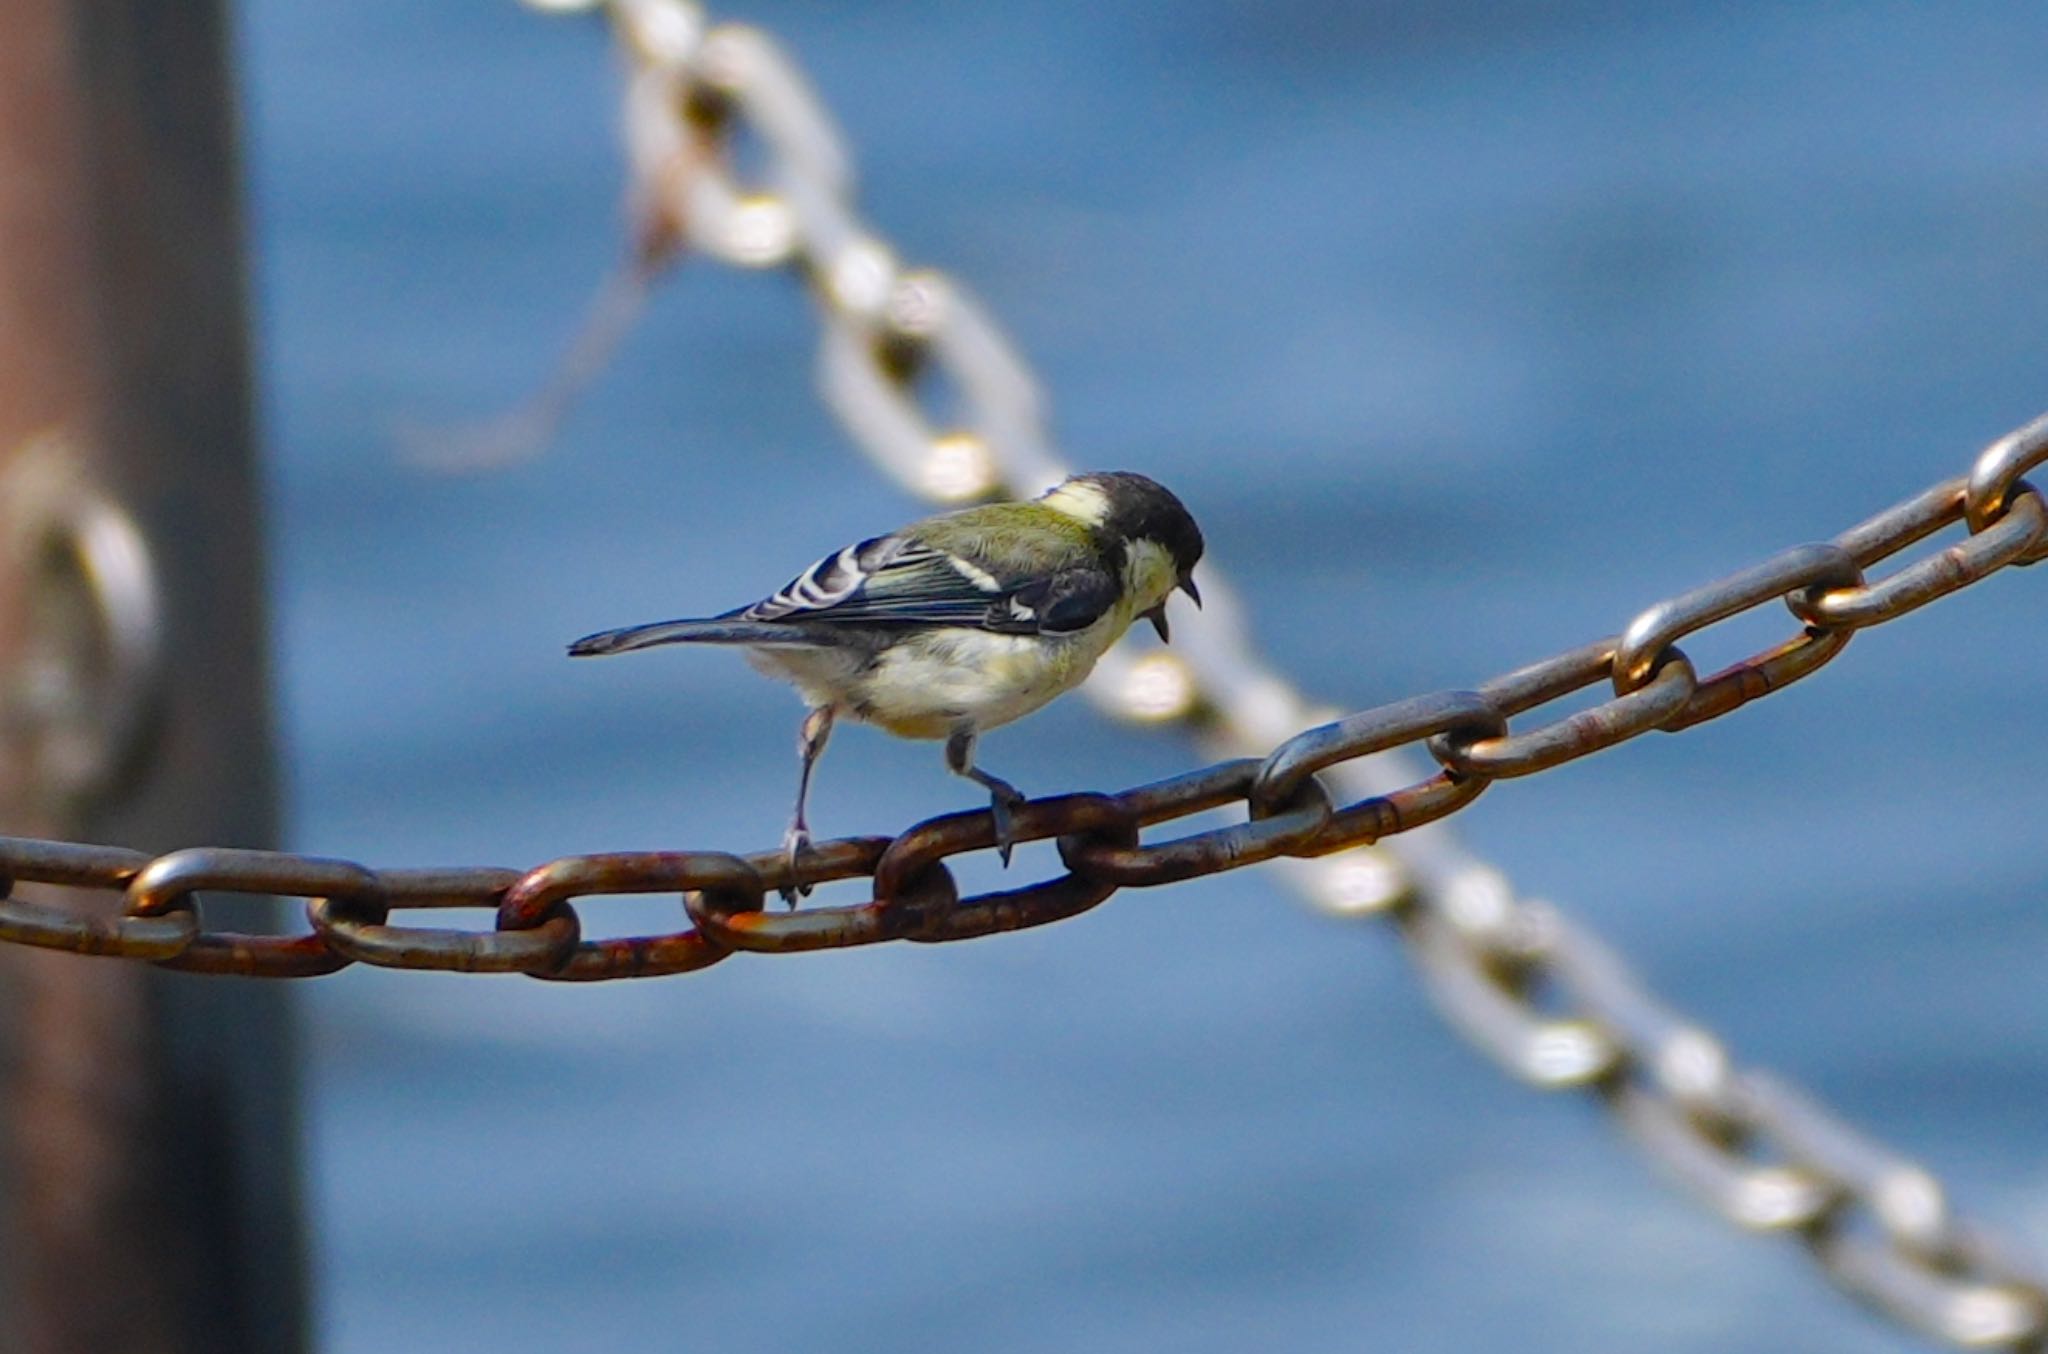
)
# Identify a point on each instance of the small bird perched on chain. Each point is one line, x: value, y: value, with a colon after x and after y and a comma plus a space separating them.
x: 957, y: 623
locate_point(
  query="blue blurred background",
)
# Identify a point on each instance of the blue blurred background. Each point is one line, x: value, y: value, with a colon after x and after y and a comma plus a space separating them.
x: 1467, y: 330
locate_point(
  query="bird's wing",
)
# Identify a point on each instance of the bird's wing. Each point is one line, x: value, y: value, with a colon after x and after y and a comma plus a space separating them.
x: 897, y: 580
x: 1060, y: 603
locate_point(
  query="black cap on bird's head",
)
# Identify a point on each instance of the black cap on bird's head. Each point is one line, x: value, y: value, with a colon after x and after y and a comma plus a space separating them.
x: 1131, y: 507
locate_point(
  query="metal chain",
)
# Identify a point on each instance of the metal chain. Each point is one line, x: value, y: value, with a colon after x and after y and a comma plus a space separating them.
x: 1538, y: 992
x: 1486, y: 952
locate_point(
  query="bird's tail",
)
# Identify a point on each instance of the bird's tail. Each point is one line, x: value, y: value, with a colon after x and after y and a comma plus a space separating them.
x: 712, y: 630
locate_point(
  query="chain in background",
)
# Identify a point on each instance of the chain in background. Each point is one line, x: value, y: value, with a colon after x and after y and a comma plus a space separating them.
x: 1532, y: 988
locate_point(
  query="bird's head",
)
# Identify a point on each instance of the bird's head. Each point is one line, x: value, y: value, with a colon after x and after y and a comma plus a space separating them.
x: 1160, y: 542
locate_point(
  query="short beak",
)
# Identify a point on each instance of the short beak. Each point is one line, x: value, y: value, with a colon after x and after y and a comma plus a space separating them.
x: 1157, y: 615
x: 1187, y: 585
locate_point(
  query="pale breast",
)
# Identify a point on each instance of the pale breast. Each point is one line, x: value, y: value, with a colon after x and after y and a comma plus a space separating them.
x: 934, y: 682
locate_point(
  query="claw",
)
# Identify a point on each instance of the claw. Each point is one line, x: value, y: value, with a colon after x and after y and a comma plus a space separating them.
x: 810, y: 745
x: 795, y: 842
x: 1002, y: 796
x: 1001, y: 799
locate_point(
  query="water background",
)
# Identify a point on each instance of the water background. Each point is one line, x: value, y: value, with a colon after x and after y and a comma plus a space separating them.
x: 1467, y: 330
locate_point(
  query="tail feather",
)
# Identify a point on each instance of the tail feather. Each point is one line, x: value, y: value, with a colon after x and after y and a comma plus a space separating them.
x: 713, y: 630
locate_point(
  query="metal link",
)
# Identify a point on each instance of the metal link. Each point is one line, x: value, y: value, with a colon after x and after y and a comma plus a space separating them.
x: 1566, y: 740
x: 1086, y: 816
x: 1373, y: 731
x: 167, y: 885
x: 1937, y: 1305
x: 25, y: 923
x: 1486, y: 992
x: 358, y: 927
x: 1668, y: 1053
x: 1995, y: 479
x: 1359, y: 735
x: 539, y: 906
x: 74, y: 864
x: 1803, y: 566
x: 933, y: 328
x: 364, y: 935
x: 1713, y: 1160
x: 1271, y: 832
x: 740, y: 82
x: 2008, y: 540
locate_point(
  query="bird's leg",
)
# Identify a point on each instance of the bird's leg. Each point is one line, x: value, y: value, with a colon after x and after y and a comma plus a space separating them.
x: 1002, y: 796
x: 810, y: 744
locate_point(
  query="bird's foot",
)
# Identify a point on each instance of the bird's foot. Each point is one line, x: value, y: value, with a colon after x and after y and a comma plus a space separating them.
x: 795, y: 843
x: 1003, y: 799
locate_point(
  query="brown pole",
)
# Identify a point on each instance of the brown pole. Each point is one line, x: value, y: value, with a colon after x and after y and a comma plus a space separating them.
x: 148, y: 1178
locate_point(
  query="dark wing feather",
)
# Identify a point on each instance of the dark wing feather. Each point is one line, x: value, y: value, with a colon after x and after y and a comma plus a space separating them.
x: 887, y: 580
x: 1064, y: 602
x: 896, y: 580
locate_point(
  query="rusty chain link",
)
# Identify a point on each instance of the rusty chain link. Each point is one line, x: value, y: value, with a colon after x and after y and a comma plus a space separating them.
x: 1536, y: 991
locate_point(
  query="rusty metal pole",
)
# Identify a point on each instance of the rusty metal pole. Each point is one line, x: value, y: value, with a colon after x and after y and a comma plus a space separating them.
x: 148, y: 1174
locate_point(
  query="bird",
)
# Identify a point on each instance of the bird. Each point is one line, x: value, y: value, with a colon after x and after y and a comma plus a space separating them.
x: 957, y: 623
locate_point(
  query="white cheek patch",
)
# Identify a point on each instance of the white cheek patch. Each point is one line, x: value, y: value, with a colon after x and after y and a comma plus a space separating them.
x: 1149, y: 574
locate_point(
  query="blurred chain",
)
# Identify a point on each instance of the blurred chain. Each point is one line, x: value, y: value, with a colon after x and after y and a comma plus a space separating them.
x: 1538, y: 992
